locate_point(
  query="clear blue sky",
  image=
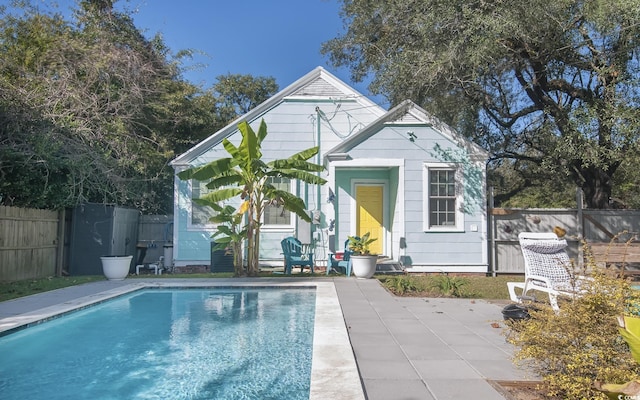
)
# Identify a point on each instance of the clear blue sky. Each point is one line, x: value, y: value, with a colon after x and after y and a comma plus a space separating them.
x: 278, y: 38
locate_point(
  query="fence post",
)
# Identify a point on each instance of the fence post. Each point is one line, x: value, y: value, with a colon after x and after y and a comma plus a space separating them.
x: 60, y: 249
x: 491, y: 233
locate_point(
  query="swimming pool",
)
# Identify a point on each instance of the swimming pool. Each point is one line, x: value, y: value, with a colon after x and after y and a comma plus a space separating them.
x: 334, y: 373
x: 178, y: 344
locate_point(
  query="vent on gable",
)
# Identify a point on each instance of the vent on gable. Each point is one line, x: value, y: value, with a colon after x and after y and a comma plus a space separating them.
x: 320, y: 88
x: 409, y: 118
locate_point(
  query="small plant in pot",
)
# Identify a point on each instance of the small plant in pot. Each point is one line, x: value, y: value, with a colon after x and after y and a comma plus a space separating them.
x: 362, y: 261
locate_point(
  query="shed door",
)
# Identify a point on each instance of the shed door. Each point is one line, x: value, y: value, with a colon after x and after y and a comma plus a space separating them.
x: 369, y: 214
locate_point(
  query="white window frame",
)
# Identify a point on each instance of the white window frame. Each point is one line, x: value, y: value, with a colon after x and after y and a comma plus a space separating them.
x: 292, y: 221
x: 459, y: 185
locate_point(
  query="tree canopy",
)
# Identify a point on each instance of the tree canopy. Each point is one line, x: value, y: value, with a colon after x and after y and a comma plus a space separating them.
x: 92, y: 110
x: 550, y: 88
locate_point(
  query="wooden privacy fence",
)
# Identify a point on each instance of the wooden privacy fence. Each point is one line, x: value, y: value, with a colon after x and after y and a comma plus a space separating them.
x: 30, y: 244
x: 33, y: 243
x: 593, y: 226
x: 36, y: 243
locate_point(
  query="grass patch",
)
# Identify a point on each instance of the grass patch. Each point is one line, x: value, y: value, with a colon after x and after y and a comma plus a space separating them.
x: 436, y: 285
x: 441, y: 285
x: 13, y: 290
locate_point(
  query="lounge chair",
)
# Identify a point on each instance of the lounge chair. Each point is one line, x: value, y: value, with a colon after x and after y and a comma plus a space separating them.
x: 343, y: 263
x: 547, y: 268
x: 295, y: 253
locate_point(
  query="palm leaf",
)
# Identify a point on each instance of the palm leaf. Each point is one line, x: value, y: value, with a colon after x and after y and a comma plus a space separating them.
x: 299, y: 175
x: 221, y: 195
x: 250, y: 146
x: 207, y: 171
x: 296, y: 164
x: 305, y: 154
x: 244, y: 207
x: 225, y: 180
x: 295, y: 205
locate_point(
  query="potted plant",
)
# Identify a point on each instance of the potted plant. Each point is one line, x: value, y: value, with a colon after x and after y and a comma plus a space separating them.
x: 363, y: 262
x: 116, y: 268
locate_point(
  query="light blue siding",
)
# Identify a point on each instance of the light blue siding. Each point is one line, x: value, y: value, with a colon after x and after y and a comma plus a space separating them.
x: 292, y: 127
x: 424, y: 248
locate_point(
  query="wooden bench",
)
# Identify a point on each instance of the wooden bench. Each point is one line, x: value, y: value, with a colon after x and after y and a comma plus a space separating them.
x: 620, y: 255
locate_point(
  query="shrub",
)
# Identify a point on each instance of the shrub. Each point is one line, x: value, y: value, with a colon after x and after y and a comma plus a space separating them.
x: 449, y: 285
x: 580, y: 344
x: 402, y: 284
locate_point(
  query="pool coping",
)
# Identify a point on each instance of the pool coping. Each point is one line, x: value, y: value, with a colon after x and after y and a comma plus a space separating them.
x: 334, y: 373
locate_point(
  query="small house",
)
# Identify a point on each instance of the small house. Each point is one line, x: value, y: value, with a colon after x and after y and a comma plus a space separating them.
x: 402, y: 175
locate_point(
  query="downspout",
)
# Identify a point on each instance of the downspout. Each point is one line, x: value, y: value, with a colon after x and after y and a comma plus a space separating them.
x: 318, y: 156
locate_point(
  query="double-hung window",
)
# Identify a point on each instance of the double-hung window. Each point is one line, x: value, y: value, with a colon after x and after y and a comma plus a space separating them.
x: 442, y: 205
x: 275, y: 216
x: 200, y: 214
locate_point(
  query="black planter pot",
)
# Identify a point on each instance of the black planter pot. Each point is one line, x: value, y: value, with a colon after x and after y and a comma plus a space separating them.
x: 515, y: 312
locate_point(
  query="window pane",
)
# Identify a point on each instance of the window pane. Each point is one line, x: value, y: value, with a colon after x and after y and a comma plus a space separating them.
x: 442, y: 198
x: 277, y: 215
x: 200, y: 214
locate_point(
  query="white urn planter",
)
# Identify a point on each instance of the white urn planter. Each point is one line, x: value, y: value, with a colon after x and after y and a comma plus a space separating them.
x: 116, y: 268
x: 364, y: 266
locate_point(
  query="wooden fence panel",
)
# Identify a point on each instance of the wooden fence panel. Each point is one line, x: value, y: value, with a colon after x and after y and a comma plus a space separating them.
x: 603, y: 225
x: 28, y: 243
x: 598, y: 226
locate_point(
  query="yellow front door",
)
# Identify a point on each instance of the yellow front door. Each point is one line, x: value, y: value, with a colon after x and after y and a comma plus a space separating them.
x: 369, y: 214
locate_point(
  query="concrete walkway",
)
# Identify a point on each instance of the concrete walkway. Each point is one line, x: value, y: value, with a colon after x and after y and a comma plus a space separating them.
x: 425, y: 348
x: 405, y: 348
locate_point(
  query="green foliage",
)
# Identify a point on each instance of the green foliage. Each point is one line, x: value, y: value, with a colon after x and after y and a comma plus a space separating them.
x: 504, y: 74
x: 230, y: 232
x: 581, y: 344
x: 450, y: 285
x: 360, y: 245
x: 92, y: 110
x: 244, y: 174
x: 237, y: 94
x: 28, y: 287
x: 401, y: 284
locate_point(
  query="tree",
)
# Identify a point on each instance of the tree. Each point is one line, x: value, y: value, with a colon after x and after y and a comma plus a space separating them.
x: 550, y: 87
x: 244, y: 174
x: 79, y: 110
x: 236, y: 94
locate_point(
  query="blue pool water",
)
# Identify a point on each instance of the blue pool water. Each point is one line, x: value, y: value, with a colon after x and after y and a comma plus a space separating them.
x: 168, y: 344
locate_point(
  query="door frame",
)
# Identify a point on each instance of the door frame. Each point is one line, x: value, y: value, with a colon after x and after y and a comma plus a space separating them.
x: 385, y: 208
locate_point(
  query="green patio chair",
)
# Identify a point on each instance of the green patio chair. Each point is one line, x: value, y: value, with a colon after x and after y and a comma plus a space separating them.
x: 343, y: 263
x: 295, y: 253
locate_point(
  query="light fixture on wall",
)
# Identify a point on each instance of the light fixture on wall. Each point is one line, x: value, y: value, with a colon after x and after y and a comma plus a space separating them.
x: 412, y: 136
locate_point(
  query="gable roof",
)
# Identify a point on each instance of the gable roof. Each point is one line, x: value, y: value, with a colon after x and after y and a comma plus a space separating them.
x: 408, y: 113
x: 317, y: 84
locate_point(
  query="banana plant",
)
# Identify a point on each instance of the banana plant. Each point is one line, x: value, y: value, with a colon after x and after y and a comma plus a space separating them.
x: 244, y: 174
x: 230, y: 232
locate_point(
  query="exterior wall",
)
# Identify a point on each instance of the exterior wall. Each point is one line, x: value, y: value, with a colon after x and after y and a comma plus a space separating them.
x: 422, y: 251
x: 293, y: 125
